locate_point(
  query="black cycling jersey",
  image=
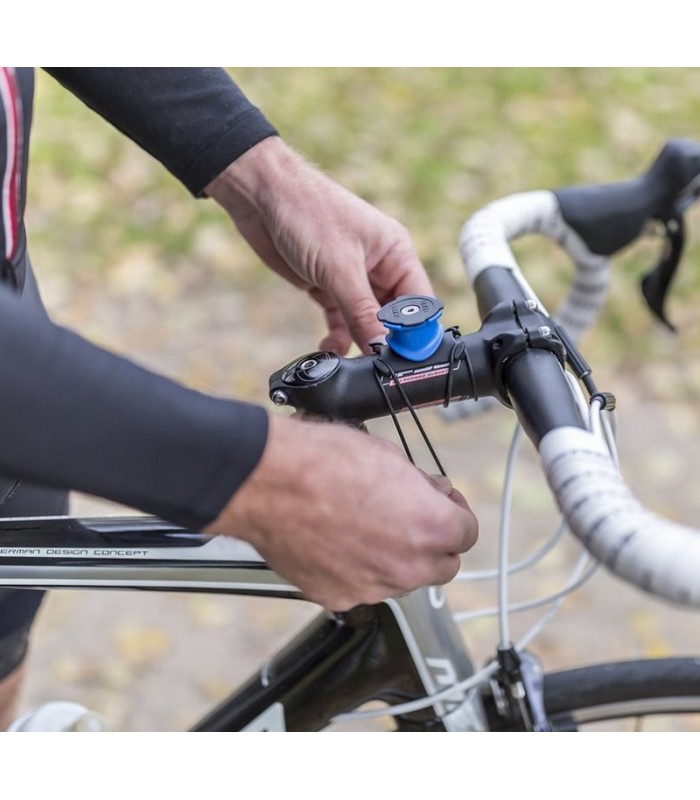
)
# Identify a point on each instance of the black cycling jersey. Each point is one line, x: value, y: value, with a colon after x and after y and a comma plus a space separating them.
x: 73, y: 415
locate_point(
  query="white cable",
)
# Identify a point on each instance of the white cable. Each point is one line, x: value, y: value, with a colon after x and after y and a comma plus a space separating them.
x: 536, y: 629
x: 575, y: 581
x: 518, y: 566
x: 577, y: 394
x: 609, y: 427
x: 424, y: 702
x: 504, y: 535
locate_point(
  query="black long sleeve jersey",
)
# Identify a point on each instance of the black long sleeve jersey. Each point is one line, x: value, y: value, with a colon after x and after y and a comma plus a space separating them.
x: 73, y: 415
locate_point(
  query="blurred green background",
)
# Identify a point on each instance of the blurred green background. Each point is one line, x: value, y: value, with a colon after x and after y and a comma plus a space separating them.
x: 429, y: 146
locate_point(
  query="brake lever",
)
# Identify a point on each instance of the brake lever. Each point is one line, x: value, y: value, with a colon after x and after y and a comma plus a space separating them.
x: 656, y: 283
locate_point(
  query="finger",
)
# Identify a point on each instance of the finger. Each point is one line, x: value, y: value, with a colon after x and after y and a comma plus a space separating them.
x: 446, y: 569
x: 469, y: 534
x: 399, y: 272
x: 444, y: 485
x: 457, y: 497
x: 441, y: 482
x: 359, y: 307
x: 338, y: 339
x: 459, y: 532
x: 414, y: 280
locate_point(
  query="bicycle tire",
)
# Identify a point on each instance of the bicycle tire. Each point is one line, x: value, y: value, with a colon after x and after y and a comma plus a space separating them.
x: 623, y: 689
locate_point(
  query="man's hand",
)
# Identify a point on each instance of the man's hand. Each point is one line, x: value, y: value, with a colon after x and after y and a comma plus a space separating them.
x: 346, y: 518
x: 349, y: 256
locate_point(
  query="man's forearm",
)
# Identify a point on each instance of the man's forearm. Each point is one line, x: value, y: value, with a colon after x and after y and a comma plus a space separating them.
x: 78, y: 417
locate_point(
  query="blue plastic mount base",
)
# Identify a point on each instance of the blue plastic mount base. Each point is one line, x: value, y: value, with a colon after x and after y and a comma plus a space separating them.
x: 414, y: 331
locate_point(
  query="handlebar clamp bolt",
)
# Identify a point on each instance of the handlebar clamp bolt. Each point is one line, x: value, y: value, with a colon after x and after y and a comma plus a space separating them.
x: 545, y: 332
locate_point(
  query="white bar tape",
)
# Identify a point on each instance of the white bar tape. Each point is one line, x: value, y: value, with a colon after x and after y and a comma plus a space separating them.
x: 484, y: 242
x: 656, y: 555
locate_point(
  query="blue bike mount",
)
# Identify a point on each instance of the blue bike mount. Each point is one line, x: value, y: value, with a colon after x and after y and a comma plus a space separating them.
x: 414, y: 331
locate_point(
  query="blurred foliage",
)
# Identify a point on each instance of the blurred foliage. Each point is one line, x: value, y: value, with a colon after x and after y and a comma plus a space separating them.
x: 429, y: 146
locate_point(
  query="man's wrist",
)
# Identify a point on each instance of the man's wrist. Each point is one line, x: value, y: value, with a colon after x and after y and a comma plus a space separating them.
x: 244, y: 185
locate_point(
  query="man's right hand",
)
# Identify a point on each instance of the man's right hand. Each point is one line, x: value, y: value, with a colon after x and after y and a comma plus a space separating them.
x: 350, y: 257
x: 345, y: 517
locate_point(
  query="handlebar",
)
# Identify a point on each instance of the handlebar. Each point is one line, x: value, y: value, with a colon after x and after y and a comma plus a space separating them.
x: 592, y: 223
x: 519, y: 354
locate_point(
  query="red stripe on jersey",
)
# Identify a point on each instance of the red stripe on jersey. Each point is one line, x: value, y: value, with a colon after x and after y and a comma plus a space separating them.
x: 11, y: 106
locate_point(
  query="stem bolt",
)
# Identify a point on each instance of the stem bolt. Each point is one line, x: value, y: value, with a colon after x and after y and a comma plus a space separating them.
x: 279, y: 398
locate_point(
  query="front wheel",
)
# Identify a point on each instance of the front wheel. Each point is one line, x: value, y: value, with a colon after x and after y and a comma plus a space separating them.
x: 635, y: 691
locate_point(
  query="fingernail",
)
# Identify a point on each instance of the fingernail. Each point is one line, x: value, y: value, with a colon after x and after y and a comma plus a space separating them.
x: 442, y: 483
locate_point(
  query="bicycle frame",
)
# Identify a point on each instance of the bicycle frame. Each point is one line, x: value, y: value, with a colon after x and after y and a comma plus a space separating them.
x: 398, y: 650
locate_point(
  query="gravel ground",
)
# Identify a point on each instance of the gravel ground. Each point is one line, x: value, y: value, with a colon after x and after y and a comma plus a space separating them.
x: 155, y: 662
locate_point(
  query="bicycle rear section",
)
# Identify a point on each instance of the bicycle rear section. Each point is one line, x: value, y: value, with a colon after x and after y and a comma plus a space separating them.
x: 409, y: 653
